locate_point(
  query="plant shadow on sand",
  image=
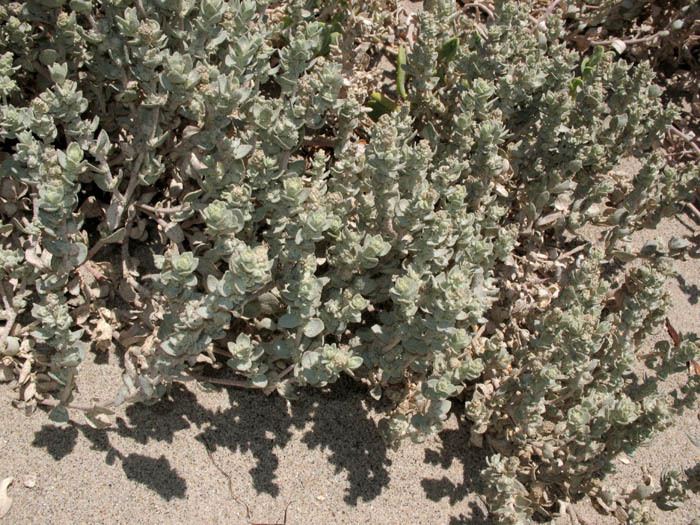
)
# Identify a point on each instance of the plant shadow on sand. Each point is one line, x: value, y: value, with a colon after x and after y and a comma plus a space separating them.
x: 334, y: 421
x: 454, y: 447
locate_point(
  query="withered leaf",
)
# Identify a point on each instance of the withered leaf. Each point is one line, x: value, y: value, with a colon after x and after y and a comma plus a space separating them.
x: 693, y: 368
x: 5, y: 499
x: 673, y: 333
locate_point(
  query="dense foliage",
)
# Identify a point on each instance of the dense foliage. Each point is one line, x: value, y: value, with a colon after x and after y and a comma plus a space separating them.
x: 197, y: 183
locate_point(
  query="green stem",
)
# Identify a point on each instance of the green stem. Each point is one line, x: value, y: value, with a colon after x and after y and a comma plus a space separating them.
x: 401, y: 73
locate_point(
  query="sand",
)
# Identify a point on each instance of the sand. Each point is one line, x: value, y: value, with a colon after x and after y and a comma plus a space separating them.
x: 323, y: 458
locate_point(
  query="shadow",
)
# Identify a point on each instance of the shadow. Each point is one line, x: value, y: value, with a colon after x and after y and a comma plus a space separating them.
x: 101, y: 357
x: 338, y: 422
x: 691, y: 290
x: 333, y: 420
x: 58, y: 441
x: 162, y: 420
x: 254, y: 424
x: 356, y: 448
x: 477, y: 516
x: 455, y: 447
x: 156, y: 474
x: 99, y: 440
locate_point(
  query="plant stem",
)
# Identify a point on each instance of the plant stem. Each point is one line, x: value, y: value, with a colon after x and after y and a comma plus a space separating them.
x: 271, y: 388
x: 81, y: 408
x: 675, y: 131
x: 161, y: 211
x: 481, y: 6
x: 223, y: 381
x: 627, y: 41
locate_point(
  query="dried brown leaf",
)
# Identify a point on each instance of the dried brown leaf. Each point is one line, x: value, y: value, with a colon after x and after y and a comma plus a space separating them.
x: 25, y: 371
x: 5, y: 499
x: 102, y: 335
x: 673, y: 333
x: 28, y: 391
x: 99, y: 418
x: 693, y: 368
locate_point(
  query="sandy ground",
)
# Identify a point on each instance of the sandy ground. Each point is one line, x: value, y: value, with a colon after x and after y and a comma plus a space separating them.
x: 322, y: 456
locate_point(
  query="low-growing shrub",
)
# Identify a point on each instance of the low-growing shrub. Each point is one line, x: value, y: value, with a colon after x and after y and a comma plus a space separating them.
x: 664, y: 32
x: 201, y: 183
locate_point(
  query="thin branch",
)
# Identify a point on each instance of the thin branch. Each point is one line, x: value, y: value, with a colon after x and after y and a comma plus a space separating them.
x: 627, y: 41
x: 221, y: 352
x: 160, y: 211
x: 267, y: 390
x: 675, y: 131
x: 95, y: 249
x: 134, y: 177
x: 271, y: 388
x: 694, y: 210
x: 81, y: 408
x: 140, y: 9
x: 126, y: 271
x: 209, y: 449
x: 320, y: 142
x: 478, y: 5
x: 223, y: 381
x: 687, y: 225
x: 573, y: 251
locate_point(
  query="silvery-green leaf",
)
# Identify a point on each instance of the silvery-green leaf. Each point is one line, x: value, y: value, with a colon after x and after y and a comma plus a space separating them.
x: 355, y: 362
x: 259, y: 381
x: 59, y: 414
x: 309, y: 359
x: 113, y: 214
x: 678, y: 243
x: 80, y: 253
x: 289, y: 321
x: 115, y: 237
x: 174, y: 232
x: 314, y: 327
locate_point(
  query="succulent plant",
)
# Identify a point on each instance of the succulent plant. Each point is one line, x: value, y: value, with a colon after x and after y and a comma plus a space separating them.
x: 433, y: 250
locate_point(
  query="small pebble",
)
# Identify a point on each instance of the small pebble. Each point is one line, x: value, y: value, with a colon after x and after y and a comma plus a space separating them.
x: 30, y: 482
